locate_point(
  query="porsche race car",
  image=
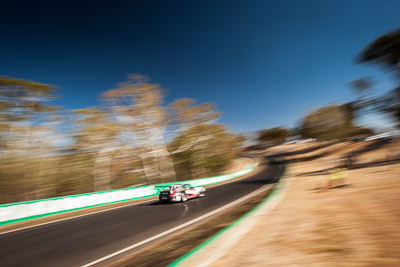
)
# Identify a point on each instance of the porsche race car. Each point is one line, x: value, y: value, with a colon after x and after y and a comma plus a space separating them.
x: 180, y: 193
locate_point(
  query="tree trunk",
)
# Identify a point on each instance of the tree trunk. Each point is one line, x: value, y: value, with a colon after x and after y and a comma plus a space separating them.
x: 150, y: 171
x: 102, y: 171
x: 198, y: 158
x: 163, y: 158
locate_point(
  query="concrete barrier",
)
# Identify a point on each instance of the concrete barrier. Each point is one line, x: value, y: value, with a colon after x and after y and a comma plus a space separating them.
x: 20, y: 211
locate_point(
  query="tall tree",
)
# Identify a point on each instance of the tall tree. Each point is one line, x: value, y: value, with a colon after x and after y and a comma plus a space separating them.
x: 136, y: 106
x: 24, y: 120
x: 186, y: 116
x: 23, y: 109
x: 365, y: 101
x: 330, y: 122
x: 275, y: 135
x: 206, y: 157
x: 98, y: 135
x: 385, y: 52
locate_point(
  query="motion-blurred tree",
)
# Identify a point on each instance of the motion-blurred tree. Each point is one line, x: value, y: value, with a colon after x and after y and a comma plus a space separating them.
x: 240, y: 140
x: 24, y: 119
x: 362, y: 85
x: 275, y: 135
x: 330, y: 122
x: 365, y: 101
x: 186, y: 116
x: 385, y: 52
x: 136, y: 106
x: 98, y: 135
x: 23, y: 109
x: 207, y: 156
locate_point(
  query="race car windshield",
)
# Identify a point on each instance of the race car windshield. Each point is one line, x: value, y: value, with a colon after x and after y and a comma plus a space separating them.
x: 171, y: 188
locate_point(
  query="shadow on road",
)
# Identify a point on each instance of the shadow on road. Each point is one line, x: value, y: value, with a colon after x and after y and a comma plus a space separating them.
x: 354, y: 167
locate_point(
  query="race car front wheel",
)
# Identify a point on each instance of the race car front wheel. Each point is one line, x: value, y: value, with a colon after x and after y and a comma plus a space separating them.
x: 184, y: 197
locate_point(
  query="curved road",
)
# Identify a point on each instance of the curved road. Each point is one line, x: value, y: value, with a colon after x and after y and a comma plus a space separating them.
x: 81, y: 240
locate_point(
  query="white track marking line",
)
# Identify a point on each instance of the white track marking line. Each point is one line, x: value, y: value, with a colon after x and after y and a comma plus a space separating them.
x: 70, y: 218
x: 91, y: 213
x: 178, y: 227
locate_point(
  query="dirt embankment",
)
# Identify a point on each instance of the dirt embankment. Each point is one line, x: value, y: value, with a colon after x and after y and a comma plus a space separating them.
x: 355, y: 223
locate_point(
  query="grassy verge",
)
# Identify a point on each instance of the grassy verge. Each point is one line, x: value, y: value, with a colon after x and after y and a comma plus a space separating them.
x: 173, y: 247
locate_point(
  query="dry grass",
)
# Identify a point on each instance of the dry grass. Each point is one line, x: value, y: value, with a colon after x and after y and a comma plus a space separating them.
x: 354, y: 225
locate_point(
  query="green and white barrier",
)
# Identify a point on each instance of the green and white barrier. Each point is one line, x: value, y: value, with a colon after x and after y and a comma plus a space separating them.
x: 20, y: 211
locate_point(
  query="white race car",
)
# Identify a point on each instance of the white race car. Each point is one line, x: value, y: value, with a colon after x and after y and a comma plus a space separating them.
x: 180, y: 193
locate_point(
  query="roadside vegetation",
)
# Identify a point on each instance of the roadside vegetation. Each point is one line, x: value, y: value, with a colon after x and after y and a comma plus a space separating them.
x: 134, y: 138
x: 131, y: 139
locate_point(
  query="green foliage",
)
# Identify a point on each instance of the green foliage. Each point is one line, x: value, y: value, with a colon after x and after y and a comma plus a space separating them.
x: 330, y: 123
x: 116, y: 145
x: 202, y: 150
x: 361, y: 85
x: 390, y: 104
x: 275, y: 135
x: 217, y: 163
x: 385, y: 51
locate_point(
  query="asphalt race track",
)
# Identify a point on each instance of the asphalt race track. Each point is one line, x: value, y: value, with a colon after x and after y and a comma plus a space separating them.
x: 78, y: 241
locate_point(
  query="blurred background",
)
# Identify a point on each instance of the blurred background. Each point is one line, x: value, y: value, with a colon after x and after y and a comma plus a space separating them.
x: 225, y: 77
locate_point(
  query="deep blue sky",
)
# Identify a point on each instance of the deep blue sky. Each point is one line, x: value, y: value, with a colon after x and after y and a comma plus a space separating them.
x: 265, y: 63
